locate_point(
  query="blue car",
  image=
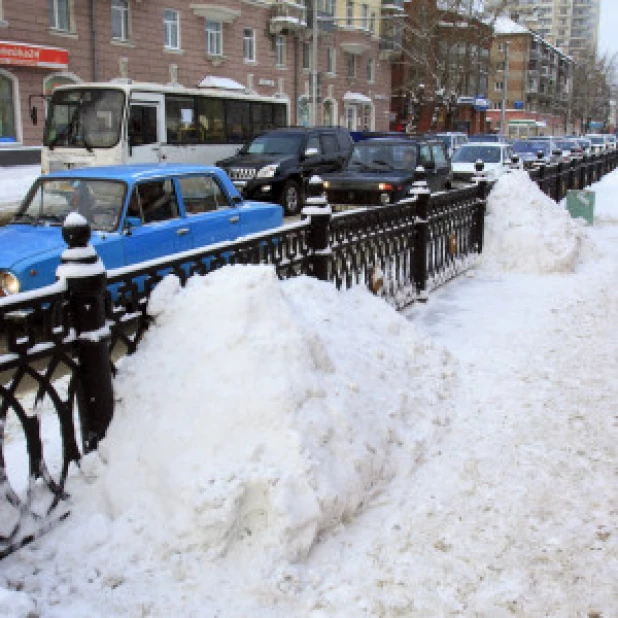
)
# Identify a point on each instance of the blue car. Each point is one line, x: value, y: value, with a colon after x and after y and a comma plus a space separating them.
x: 136, y: 213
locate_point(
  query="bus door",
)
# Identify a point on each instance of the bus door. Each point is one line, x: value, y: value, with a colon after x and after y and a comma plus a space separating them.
x: 146, y: 128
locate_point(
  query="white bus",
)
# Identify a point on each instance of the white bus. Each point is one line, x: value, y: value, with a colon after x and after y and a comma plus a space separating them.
x: 109, y: 123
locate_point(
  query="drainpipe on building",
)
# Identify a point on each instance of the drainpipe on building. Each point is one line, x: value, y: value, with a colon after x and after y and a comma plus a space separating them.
x: 93, y: 31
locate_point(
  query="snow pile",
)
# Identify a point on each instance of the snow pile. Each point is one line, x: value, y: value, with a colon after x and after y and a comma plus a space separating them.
x: 530, y: 233
x: 282, y: 415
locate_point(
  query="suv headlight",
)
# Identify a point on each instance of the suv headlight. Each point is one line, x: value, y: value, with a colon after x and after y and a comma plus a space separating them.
x: 9, y: 284
x: 268, y: 171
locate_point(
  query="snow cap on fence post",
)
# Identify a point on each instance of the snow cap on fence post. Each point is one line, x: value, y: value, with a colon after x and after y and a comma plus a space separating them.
x: 319, y: 212
x: 86, y: 280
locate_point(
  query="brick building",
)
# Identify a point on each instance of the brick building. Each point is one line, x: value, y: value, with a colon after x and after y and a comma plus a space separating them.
x: 264, y: 45
x: 440, y: 79
x: 534, y: 81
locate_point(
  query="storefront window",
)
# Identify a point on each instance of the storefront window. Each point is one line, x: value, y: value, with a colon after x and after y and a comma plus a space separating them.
x: 7, y: 110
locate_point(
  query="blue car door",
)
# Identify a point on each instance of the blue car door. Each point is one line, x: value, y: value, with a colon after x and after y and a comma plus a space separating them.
x: 154, y: 225
x: 210, y: 213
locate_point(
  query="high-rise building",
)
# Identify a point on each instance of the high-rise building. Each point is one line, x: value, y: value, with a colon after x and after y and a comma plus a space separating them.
x: 571, y: 25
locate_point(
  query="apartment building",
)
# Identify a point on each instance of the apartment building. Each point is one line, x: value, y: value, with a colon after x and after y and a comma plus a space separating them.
x: 571, y: 25
x: 532, y: 79
x: 266, y: 46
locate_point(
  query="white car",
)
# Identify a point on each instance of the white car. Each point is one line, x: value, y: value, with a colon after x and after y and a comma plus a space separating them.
x: 497, y: 157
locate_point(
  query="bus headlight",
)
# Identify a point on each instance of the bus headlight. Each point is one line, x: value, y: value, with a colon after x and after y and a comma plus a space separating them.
x: 268, y: 171
x: 9, y: 284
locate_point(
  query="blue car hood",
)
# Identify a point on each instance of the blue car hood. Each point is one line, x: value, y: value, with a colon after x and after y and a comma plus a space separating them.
x: 18, y: 242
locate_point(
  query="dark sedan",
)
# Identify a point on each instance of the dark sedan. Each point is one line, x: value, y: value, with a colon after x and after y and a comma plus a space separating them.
x: 381, y: 171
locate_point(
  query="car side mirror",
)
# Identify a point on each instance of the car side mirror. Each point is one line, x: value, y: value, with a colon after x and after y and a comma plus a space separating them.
x: 237, y: 200
x: 311, y: 152
x: 131, y: 222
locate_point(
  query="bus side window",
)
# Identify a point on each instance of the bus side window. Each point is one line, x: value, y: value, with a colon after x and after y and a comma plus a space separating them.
x: 143, y: 125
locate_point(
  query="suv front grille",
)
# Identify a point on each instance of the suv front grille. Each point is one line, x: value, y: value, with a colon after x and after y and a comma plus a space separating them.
x: 241, y: 173
x: 359, y: 198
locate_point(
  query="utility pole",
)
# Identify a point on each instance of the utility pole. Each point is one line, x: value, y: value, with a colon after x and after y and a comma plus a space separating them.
x: 505, y: 85
x: 314, y: 66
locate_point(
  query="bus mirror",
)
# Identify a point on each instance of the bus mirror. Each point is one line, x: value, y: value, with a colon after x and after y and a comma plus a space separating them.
x: 34, y: 115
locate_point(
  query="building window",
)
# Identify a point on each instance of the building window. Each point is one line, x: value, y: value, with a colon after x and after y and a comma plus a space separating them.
x: 371, y: 70
x: 7, y: 109
x: 58, y: 15
x: 214, y: 38
x: 120, y: 20
x: 351, y: 65
x: 365, y: 16
x: 306, y: 55
x: 304, y: 111
x: 280, y: 47
x: 248, y: 45
x: 349, y: 13
x: 372, y: 23
x: 328, y: 113
x: 330, y: 60
x: 499, y: 86
x: 171, y: 29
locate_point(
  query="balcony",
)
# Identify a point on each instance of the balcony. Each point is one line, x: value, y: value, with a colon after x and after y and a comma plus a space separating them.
x: 392, y: 6
x: 287, y: 17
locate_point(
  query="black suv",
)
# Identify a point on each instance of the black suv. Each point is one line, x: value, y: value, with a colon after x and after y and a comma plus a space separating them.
x: 382, y: 170
x: 275, y: 166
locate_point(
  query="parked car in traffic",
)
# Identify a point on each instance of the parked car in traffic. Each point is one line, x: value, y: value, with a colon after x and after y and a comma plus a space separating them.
x: 600, y: 142
x: 136, y: 213
x: 528, y: 152
x: 489, y: 137
x: 381, y: 171
x: 276, y: 165
x: 497, y: 158
x: 570, y: 150
x: 453, y: 140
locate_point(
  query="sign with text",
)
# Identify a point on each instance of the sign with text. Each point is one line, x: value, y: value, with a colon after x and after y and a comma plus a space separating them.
x: 22, y: 54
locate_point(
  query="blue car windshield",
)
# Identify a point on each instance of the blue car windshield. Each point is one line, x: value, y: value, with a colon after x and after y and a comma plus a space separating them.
x: 52, y: 199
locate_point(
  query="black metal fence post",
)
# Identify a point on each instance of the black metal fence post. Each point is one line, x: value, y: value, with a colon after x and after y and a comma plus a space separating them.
x: 86, y: 283
x: 478, y: 229
x: 421, y: 232
x: 319, y: 213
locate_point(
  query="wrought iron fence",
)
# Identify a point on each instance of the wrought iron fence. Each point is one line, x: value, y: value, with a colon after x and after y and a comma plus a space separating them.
x: 60, y: 344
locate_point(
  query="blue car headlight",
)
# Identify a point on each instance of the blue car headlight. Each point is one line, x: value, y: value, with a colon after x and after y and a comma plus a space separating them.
x: 268, y: 171
x: 9, y: 284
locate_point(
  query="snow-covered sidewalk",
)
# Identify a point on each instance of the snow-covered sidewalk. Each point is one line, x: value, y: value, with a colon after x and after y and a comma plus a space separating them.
x: 325, y: 457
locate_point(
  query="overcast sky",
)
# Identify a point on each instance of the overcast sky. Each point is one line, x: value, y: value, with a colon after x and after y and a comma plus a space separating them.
x: 608, y: 28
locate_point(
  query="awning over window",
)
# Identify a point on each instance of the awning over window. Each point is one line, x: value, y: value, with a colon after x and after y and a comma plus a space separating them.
x: 356, y: 97
x: 223, y: 83
x: 215, y: 12
x: 355, y: 48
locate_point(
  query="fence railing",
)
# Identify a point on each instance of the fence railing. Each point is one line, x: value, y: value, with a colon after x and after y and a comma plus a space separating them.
x: 59, y: 345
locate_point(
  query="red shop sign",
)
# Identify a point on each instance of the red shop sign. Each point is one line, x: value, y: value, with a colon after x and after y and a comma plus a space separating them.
x: 22, y: 54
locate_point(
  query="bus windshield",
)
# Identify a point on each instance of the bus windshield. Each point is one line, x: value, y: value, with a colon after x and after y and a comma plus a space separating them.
x: 84, y: 118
